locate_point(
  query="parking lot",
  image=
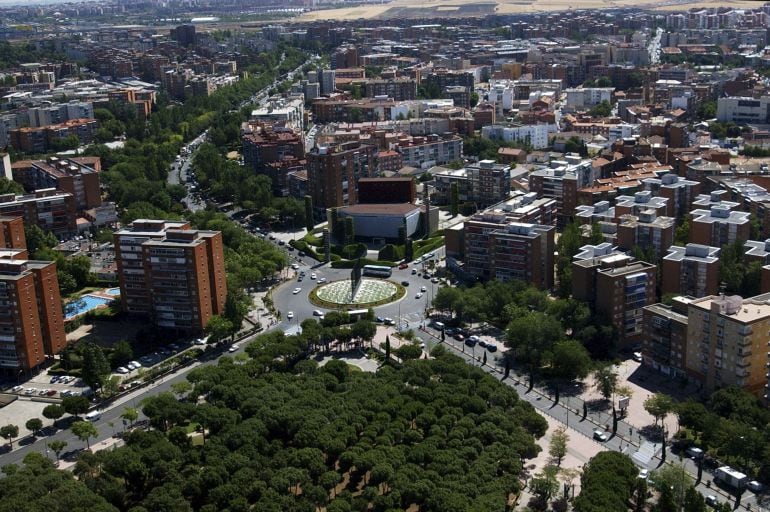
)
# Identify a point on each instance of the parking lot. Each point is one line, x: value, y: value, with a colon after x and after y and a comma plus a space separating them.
x: 48, y: 386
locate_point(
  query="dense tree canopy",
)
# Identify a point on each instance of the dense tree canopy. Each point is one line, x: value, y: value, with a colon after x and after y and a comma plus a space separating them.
x: 436, y: 433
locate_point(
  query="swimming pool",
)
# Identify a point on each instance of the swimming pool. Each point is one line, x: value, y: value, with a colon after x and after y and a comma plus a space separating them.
x: 115, y: 292
x: 83, y: 305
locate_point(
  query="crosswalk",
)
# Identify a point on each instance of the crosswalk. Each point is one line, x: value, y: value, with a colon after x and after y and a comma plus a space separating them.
x: 645, y: 453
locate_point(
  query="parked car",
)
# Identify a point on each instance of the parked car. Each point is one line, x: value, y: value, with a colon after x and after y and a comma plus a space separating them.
x: 711, y: 501
x: 600, y: 435
x: 755, y: 487
x: 121, y: 370
x: 403, y: 266
x: 644, y: 473
x: 233, y: 348
x: 491, y: 347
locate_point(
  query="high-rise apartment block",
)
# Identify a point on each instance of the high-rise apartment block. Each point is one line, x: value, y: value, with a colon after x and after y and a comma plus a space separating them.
x: 679, y: 192
x: 49, y: 209
x: 691, y: 270
x: 727, y: 341
x: 333, y: 172
x: 171, y: 273
x: 66, y: 175
x: 617, y: 286
x: 719, y: 226
x: 496, y: 248
x: 665, y: 337
x: 12, y: 233
x: 31, y: 315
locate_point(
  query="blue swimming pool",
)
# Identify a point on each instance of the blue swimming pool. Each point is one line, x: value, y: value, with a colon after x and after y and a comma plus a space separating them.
x: 115, y: 292
x: 84, y: 304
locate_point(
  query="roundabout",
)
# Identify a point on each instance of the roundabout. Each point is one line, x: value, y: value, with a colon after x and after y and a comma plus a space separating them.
x: 370, y: 293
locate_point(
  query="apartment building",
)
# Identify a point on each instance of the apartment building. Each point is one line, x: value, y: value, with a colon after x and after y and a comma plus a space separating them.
x: 290, y: 112
x: 744, y: 110
x: 496, y: 248
x: 170, y: 273
x: 12, y: 233
x: 719, y: 226
x: 64, y: 174
x: 400, y: 89
x: 692, y: 270
x: 664, y: 347
x: 425, y: 152
x: 727, y: 341
x: 679, y: 192
x: 535, y: 135
x: 617, y: 286
x: 640, y: 202
x: 646, y: 231
x: 590, y: 214
x: 484, y: 183
x: 264, y: 144
x: 333, y: 172
x: 49, y: 209
x: 31, y: 315
x: 561, y: 182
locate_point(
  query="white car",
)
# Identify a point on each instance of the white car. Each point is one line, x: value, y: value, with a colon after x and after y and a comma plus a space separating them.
x: 755, y: 487
x: 290, y: 315
x: 313, y: 276
x: 317, y: 312
x: 199, y: 341
x: 321, y: 280
x: 294, y: 266
x: 122, y: 370
x: 600, y: 435
x: 644, y: 473
x: 419, y: 295
x: 295, y: 291
x: 638, y: 357
x: 233, y: 348
x: 423, y: 289
x: 16, y: 389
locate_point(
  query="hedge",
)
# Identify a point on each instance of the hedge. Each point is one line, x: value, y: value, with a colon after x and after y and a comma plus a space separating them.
x: 364, y: 261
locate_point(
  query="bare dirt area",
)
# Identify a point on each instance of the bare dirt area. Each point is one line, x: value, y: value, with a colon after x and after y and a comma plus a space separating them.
x: 443, y: 8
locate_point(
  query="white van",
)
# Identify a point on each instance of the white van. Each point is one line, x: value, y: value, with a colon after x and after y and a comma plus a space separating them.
x: 438, y: 326
x: 93, y: 416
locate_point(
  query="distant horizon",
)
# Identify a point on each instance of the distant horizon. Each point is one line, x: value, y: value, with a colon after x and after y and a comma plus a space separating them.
x: 22, y: 3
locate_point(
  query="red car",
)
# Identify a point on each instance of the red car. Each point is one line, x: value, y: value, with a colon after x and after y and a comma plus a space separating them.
x: 403, y: 266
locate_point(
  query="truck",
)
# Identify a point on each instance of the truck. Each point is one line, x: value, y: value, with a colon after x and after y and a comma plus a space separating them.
x: 730, y: 477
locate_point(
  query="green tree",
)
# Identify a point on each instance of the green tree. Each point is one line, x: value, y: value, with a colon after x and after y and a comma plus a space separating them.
x: 474, y: 99
x: 130, y: 414
x: 53, y: 412
x: 569, y: 361
x: 218, y: 328
x: 557, y: 448
x: 309, y: 213
x: 95, y: 366
x: 567, y: 247
x: 34, y: 425
x: 408, y: 351
x: 531, y: 336
x: 75, y: 405
x: 84, y: 430
x: 659, y: 405
x: 9, y: 432
x: 454, y: 199
x: 603, y: 109
x: 605, y: 380
x: 682, y: 234
x: 57, y: 445
x: 10, y: 187
x: 121, y: 354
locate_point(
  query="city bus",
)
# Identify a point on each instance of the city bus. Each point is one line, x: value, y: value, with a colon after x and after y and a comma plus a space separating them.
x: 377, y: 271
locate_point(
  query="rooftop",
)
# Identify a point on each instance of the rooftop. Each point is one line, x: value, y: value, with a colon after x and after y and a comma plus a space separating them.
x: 693, y: 252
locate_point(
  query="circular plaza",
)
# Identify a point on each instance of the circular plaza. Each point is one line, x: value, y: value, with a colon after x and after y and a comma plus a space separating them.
x: 370, y: 293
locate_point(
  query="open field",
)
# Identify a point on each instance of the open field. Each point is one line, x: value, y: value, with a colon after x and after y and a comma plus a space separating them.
x: 436, y: 8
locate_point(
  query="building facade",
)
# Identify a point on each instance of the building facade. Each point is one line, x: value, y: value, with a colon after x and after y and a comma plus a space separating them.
x: 170, y: 273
